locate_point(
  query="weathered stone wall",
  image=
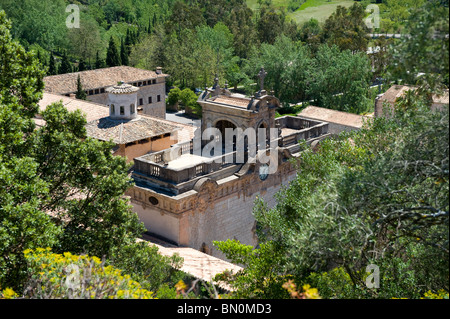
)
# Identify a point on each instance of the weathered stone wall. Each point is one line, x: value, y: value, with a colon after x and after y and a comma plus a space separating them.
x: 217, y: 211
x: 138, y: 149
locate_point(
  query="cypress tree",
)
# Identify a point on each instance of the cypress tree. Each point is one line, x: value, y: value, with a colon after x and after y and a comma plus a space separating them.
x: 81, y: 94
x: 123, y: 53
x: 99, y: 63
x: 52, y: 65
x: 128, y: 42
x: 82, y: 65
x: 65, y: 67
x: 112, y: 55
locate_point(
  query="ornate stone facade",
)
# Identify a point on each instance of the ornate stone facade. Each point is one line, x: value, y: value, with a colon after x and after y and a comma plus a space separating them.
x: 192, y: 199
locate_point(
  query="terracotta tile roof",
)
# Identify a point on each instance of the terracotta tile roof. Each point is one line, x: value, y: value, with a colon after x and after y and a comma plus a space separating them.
x: 234, y: 101
x: 94, y: 79
x: 394, y: 93
x: 333, y: 116
x: 127, y: 131
x: 122, y: 89
x: 93, y: 111
x: 397, y: 91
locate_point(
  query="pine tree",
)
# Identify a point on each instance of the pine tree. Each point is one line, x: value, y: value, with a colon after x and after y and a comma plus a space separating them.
x: 52, y: 65
x: 65, y: 66
x: 81, y: 94
x: 123, y: 53
x: 112, y: 55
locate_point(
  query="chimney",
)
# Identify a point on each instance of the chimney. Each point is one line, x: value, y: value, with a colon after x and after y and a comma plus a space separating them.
x: 72, y: 95
x: 159, y: 70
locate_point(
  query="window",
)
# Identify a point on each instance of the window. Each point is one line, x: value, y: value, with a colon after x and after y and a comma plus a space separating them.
x: 113, y: 109
x: 153, y: 81
x: 122, y: 110
x: 153, y: 200
x: 140, y: 84
x: 91, y: 92
x: 150, y: 100
x: 141, y: 101
x: 144, y: 83
x: 102, y: 90
x: 132, y: 109
x: 97, y: 91
x: 158, y: 98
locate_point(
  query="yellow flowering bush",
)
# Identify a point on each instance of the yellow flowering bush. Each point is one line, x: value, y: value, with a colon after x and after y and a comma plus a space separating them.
x: 76, y: 277
x: 441, y: 294
x: 305, y: 293
x: 8, y: 293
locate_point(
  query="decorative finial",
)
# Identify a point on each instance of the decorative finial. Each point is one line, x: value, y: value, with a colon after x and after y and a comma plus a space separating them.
x: 216, y: 81
x: 261, y: 75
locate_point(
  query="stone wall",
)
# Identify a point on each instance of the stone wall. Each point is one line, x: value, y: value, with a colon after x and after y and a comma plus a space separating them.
x: 216, y: 211
x: 138, y: 149
x: 157, y: 109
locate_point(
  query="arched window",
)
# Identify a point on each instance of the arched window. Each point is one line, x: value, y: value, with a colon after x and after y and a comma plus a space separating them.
x: 113, y: 109
x: 132, y: 109
x: 122, y: 110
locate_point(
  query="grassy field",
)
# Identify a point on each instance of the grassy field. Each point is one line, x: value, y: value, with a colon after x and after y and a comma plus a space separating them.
x: 318, y: 9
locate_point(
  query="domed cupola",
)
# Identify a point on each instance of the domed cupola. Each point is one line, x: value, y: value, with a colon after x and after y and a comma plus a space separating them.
x: 122, y: 101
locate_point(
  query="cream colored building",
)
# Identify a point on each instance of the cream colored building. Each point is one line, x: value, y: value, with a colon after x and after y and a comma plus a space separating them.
x: 151, y: 84
x: 134, y: 134
x: 337, y: 121
x: 192, y: 200
x: 385, y: 102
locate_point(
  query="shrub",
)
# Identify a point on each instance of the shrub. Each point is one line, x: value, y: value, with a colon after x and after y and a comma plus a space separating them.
x: 70, y: 276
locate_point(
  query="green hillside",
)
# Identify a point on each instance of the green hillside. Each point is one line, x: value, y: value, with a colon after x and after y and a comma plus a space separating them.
x: 318, y: 9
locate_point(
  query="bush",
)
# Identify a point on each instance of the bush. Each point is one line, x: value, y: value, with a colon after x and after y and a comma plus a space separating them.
x: 67, y: 276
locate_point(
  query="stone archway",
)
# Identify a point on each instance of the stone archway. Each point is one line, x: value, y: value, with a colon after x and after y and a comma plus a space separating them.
x: 222, y: 125
x: 263, y: 125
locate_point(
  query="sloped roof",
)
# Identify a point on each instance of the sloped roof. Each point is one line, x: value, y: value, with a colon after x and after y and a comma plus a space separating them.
x: 127, y: 131
x: 333, y: 116
x: 397, y: 91
x: 91, y: 110
x: 98, y: 113
x: 122, y: 89
x: 232, y: 100
x: 94, y: 79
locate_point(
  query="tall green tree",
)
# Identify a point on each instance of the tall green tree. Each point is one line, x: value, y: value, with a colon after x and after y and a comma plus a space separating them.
x: 81, y: 94
x: 112, y: 55
x: 22, y: 223
x: 65, y: 66
x: 377, y: 196
x: 52, y: 65
x: 426, y: 50
x: 346, y: 29
x: 99, y: 63
x: 123, y: 53
x: 60, y: 188
x: 340, y: 80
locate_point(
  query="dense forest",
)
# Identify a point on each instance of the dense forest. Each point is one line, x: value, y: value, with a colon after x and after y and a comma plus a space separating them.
x: 196, y: 40
x: 378, y: 196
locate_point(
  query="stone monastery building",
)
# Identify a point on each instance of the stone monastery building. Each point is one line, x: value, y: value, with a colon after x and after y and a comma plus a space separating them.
x: 187, y: 193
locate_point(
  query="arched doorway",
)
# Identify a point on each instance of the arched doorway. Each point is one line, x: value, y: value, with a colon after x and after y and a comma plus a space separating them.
x: 261, y: 144
x: 222, y: 126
